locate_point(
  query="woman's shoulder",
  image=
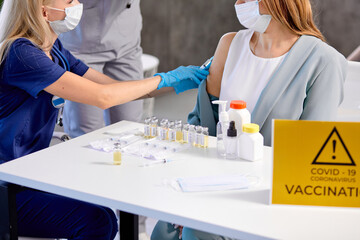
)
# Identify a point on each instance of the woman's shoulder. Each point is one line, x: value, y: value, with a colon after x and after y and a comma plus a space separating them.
x: 22, y: 48
x: 227, y: 38
x: 326, y: 52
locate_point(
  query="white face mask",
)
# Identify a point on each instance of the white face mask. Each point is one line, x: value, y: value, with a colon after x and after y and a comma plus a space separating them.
x: 72, y: 19
x: 249, y: 16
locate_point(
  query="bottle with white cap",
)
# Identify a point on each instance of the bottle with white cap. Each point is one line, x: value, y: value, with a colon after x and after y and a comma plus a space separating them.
x: 251, y: 143
x: 239, y: 114
x: 221, y: 128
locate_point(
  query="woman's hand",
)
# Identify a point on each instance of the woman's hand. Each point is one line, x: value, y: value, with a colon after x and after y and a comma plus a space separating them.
x: 183, y: 78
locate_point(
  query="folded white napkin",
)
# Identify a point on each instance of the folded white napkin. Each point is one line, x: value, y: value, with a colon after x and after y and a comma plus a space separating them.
x: 213, y: 183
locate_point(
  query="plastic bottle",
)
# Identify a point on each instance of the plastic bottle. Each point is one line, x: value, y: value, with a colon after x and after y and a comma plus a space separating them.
x: 231, y: 142
x: 192, y: 134
x: 239, y: 114
x: 205, y: 138
x: 221, y: 128
x: 117, y: 154
x: 251, y: 143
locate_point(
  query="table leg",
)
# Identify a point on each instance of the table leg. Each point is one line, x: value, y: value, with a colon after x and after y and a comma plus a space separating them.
x: 129, y: 226
x: 8, y: 215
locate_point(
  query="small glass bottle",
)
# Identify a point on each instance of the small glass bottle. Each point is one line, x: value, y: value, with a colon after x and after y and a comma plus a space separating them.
x: 164, y: 130
x: 192, y: 134
x: 198, y: 136
x: 185, y: 132
x: 178, y: 130
x: 117, y: 154
x: 205, y: 137
x: 172, y: 132
x: 231, y: 142
x: 147, y: 133
x: 154, y: 127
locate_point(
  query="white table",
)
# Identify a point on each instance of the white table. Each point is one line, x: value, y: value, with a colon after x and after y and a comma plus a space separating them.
x: 73, y: 170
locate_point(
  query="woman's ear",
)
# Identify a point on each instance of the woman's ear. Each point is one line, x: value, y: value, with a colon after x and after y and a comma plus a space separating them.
x: 44, y: 13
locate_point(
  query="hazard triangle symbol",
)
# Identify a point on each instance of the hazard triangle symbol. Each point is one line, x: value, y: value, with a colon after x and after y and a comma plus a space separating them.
x: 334, y: 151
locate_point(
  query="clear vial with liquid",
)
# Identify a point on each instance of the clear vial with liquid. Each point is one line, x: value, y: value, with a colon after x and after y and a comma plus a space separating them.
x: 147, y: 133
x: 117, y: 154
x: 205, y: 137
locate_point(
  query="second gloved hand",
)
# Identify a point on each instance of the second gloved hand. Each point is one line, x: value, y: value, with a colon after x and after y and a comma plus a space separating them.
x: 183, y: 78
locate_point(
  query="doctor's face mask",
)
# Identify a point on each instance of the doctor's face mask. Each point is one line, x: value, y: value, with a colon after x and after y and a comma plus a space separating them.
x: 249, y: 16
x: 72, y: 19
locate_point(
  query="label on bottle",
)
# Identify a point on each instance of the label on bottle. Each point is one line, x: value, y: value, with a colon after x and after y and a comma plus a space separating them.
x: 172, y: 135
x: 153, y: 131
x: 147, y: 131
x: 163, y: 133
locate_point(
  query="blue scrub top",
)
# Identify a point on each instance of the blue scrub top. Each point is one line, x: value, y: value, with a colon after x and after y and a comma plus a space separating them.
x: 27, y: 116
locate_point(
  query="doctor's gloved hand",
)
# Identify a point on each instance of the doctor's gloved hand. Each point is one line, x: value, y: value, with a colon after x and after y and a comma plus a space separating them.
x: 183, y: 78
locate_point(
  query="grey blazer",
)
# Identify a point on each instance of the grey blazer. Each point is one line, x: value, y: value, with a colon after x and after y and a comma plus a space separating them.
x: 308, y: 85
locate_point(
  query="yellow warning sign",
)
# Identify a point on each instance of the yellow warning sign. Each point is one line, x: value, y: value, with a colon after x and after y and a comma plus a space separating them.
x: 328, y: 157
x: 316, y: 163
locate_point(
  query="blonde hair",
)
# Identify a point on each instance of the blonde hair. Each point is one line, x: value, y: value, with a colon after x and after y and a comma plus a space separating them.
x: 23, y: 19
x: 296, y: 15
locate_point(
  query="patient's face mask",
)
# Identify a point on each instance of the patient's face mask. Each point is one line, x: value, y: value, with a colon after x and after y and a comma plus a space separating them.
x: 249, y: 16
x: 72, y: 19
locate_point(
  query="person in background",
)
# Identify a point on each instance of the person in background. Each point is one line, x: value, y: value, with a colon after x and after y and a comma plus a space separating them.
x: 36, y: 74
x: 280, y: 65
x: 355, y: 55
x: 107, y: 39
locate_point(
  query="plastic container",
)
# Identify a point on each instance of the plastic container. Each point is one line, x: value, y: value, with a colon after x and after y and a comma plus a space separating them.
x: 231, y: 142
x: 251, y: 143
x: 221, y: 128
x: 239, y: 114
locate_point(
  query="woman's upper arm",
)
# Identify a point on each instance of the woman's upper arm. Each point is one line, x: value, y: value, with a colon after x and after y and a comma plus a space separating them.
x: 213, y: 86
x: 75, y: 88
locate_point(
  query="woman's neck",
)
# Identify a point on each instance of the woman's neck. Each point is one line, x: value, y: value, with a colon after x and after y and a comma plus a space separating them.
x: 49, y: 43
x: 275, y: 42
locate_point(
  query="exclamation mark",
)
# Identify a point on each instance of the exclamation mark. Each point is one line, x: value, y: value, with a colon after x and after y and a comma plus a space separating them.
x: 334, y: 148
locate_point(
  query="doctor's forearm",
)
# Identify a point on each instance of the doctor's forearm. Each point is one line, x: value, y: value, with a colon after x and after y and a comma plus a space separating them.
x: 123, y: 92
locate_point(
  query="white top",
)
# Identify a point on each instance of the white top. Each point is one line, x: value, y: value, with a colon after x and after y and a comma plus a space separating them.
x: 246, y: 75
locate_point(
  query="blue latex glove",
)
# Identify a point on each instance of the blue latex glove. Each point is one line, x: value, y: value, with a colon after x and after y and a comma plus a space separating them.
x: 183, y: 78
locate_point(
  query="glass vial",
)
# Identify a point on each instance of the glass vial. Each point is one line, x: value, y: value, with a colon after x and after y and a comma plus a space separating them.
x: 205, y: 137
x: 163, y: 135
x: 172, y: 132
x: 192, y: 134
x: 154, y: 127
x: 198, y: 135
x: 231, y: 142
x: 147, y: 127
x: 178, y: 129
x: 117, y: 154
x: 185, y: 132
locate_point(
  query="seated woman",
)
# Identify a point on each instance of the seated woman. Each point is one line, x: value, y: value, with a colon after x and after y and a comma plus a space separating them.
x: 281, y: 66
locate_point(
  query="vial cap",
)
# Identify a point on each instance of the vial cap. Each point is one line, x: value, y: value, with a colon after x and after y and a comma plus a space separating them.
x: 232, y: 132
x: 238, y: 104
x: 250, y: 128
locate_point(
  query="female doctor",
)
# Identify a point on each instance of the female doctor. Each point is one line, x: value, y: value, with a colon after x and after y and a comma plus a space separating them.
x: 280, y: 65
x: 36, y: 74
